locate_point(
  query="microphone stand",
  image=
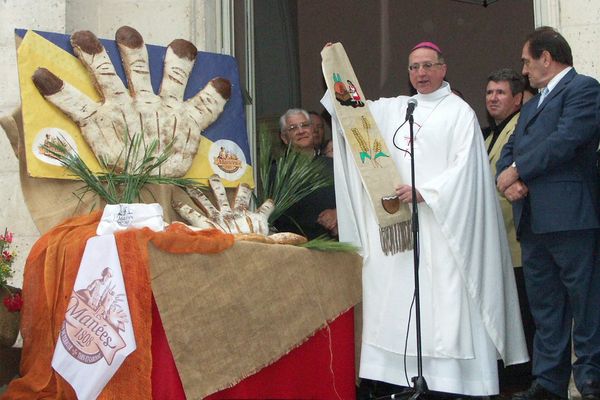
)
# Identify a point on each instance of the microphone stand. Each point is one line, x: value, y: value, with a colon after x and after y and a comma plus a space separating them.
x: 419, y: 384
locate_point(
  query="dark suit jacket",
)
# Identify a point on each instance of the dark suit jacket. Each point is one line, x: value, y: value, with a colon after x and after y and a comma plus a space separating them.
x: 554, y: 147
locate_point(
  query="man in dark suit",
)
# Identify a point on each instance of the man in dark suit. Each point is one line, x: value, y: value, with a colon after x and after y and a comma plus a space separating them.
x: 548, y: 171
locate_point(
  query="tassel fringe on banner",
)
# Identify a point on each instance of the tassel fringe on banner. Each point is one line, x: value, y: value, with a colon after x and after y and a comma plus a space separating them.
x: 396, y: 238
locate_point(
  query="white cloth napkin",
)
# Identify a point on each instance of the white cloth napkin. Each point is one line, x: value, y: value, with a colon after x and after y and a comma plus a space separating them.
x: 96, y: 335
x: 118, y: 217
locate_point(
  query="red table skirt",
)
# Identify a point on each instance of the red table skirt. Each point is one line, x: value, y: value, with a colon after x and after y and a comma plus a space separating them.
x: 321, y: 368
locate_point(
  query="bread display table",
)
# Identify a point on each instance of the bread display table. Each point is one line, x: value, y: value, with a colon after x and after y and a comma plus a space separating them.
x: 226, y: 313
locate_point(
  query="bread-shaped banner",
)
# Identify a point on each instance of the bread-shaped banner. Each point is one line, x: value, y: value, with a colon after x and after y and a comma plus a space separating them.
x: 110, y: 125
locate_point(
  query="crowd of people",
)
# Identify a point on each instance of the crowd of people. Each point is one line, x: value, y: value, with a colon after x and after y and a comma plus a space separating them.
x: 509, y: 221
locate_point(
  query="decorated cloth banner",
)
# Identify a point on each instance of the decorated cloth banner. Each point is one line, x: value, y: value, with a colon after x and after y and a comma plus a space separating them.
x: 370, y: 152
x: 97, y: 334
x: 223, y: 149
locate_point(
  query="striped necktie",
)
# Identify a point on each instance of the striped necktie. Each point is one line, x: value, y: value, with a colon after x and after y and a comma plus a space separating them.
x: 543, y: 96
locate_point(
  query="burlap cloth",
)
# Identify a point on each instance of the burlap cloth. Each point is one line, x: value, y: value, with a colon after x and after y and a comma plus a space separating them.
x: 227, y: 315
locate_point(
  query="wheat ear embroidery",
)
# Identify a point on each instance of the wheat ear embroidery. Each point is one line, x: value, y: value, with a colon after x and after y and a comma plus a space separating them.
x: 362, y: 143
x: 366, y: 150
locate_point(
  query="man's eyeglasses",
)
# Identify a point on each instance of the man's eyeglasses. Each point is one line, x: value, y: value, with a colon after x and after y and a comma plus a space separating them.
x: 427, y: 66
x: 297, y: 127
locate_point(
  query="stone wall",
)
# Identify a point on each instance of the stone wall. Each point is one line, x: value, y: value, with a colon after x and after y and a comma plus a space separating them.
x: 579, y: 23
x: 42, y: 15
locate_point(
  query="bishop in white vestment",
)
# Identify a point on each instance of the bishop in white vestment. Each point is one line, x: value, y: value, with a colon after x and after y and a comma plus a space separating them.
x: 469, y: 305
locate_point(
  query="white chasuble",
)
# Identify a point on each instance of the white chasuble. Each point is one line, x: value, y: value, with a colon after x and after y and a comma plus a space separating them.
x: 469, y: 305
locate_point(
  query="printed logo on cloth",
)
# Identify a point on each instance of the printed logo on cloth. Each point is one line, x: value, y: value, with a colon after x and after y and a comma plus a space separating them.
x: 125, y: 215
x: 94, y: 321
x: 96, y: 335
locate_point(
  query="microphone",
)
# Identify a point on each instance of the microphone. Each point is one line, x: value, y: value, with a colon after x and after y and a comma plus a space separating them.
x: 412, y: 103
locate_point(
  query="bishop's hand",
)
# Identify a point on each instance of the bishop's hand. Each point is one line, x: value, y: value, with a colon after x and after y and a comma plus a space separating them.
x: 109, y: 125
x: 404, y: 193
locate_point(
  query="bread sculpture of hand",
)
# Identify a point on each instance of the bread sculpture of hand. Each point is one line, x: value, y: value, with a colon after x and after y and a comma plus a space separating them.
x: 239, y: 220
x: 109, y: 125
